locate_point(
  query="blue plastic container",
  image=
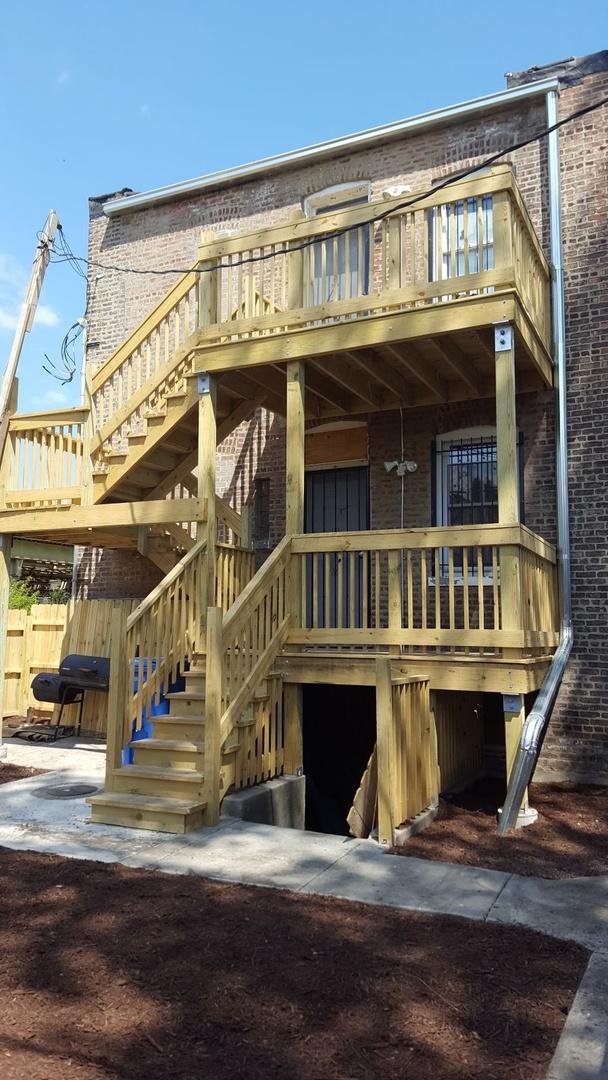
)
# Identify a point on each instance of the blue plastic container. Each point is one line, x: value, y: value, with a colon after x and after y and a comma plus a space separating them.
x: 158, y: 707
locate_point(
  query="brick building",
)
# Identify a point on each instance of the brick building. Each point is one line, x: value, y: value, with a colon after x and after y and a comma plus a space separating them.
x: 162, y: 229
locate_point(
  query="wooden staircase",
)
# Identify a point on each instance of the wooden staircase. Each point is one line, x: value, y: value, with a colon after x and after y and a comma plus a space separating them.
x: 170, y: 772
x: 162, y: 789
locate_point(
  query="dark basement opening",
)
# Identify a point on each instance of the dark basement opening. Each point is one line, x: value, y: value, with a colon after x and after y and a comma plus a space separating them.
x: 339, y: 731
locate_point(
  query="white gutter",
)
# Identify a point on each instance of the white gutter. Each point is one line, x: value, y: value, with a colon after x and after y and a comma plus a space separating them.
x: 344, y: 144
x: 538, y: 720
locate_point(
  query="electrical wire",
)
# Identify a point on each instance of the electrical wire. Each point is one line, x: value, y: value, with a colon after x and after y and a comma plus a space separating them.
x: 78, y: 261
x: 65, y: 373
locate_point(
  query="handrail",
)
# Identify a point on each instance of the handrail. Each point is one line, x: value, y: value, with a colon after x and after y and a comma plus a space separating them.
x: 253, y: 632
x: 500, y: 178
x: 141, y: 332
x: 48, y: 418
x: 436, y: 536
x: 168, y: 580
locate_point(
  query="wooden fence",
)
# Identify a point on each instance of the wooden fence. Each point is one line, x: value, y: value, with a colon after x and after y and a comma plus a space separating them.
x: 39, y: 641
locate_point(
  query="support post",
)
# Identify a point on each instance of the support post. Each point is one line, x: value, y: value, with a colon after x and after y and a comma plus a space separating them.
x: 208, y: 290
x: 117, y: 694
x: 514, y: 711
x: 213, y: 715
x: 207, y: 435
x: 294, y: 523
x: 293, y: 751
x: 385, y: 741
x: 5, y: 571
x: 508, y: 477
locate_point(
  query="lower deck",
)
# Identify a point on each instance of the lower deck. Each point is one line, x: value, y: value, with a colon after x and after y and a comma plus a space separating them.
x: 479, y: 674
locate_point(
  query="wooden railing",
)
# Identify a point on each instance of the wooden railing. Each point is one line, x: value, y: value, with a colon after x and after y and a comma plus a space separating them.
x: 234, y: 569
x: 408, y: 780
x: 161, y: 634
x: 430, y: 591
x: 241, y: 649
x: 473, y: 237
x: 45, y: 461
x: 150, y: 364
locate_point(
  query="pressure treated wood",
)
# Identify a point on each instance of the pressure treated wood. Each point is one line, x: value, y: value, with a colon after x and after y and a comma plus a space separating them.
x: 406, y: 750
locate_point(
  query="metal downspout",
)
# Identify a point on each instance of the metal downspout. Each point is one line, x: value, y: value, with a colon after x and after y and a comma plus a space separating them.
x: 538, y: 720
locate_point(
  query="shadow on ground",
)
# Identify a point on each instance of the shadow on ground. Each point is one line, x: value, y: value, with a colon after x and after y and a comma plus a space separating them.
x: 111, y: 972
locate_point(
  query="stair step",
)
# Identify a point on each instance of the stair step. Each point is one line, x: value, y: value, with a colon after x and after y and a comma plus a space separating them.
x: 178, y: 718
x: 167, y: 744
x: 146, y: 812
x: 176, y: 395
x: 231, y: 748
x: 185, y: 695
x: 155, y: 772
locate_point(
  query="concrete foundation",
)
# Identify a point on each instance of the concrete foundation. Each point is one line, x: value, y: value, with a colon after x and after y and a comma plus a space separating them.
x: 277, y: 802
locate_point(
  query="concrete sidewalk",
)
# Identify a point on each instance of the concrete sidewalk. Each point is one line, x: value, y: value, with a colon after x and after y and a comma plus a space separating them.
x: 357, y: 870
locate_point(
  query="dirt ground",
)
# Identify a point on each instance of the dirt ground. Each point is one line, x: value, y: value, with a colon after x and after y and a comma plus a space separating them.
x: 570, y: 838
x: 107, y: 972
x: 9, y: 772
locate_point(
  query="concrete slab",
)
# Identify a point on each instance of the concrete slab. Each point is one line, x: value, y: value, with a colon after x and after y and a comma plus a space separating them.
x: 254, y: 854
x: 369, y: 875
x: 575, y: 909
x: 582, y: 1051
x: 75, y: 754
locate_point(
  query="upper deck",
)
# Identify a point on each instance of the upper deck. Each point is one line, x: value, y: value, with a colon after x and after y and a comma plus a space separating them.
x: 390, y: 304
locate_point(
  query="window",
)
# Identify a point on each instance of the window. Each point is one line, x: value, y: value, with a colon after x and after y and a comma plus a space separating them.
x: 340, y: 266
x: 466, y: 483
x: 461, y: 238
x: 261, y: 513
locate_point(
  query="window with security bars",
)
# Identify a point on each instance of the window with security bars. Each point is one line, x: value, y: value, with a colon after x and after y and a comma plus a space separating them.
x: 466, y: 485
x: 461, y: 238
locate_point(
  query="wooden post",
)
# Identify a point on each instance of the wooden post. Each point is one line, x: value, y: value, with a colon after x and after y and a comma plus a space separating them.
x: 385, y: 742
x: 87, y: 433
x: 209, y: 294
x: 207, y: 437
x: 293, y: 753
x: 294, y: 523
x: 213, y: 715
x: 508, y: 478
x: 117, y: 695
x: 515, y: 714
x: 395, y: 605
x: 246, y: 535
x: 5, y: 571
x: 295, y: 274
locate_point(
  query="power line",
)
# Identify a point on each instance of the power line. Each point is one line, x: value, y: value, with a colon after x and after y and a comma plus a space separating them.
x: 77, y: 261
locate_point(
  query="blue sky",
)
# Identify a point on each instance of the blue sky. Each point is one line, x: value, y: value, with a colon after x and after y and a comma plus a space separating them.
x: 99, y: 96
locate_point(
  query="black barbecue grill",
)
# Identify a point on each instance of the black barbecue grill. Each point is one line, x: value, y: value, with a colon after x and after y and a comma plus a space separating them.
x: 76, y: 675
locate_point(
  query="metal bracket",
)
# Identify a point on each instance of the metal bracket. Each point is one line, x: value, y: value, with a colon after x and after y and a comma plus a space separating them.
x: 512, y: 703
x: 503, y: 337
x: 202, y: 383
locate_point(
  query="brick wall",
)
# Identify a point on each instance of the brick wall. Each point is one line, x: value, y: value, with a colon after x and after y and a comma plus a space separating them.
x: 167, y: 236
x: 577, y: 741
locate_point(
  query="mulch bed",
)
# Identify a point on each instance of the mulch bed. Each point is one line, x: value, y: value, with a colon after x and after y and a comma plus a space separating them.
x: 9, y: 772
x: 570, y: 838
x: 107, y: 972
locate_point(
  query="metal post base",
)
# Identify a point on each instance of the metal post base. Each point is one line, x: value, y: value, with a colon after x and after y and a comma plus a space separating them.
x: 526, y: 816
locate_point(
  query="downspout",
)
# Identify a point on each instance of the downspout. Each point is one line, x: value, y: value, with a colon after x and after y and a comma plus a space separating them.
x: 537, y: 722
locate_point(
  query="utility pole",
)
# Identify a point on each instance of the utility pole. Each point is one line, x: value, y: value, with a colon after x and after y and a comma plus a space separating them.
x: 7, y: 403
x: 26, y: 319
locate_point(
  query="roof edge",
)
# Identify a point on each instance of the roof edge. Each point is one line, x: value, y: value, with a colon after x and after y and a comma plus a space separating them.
x: 318, y: 151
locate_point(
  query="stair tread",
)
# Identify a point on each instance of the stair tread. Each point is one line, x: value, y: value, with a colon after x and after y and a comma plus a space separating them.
x: 166, y: 744
x: 158, y: 772
x: 186, y: 695
x: 145, y: 802
x: 178, y: 718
